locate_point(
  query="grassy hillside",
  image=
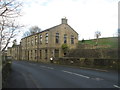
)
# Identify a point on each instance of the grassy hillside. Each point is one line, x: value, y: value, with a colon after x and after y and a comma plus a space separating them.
x: 111, y: 42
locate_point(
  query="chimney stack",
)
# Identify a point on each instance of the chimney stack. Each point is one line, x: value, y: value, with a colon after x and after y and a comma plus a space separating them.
x: 64, y: 20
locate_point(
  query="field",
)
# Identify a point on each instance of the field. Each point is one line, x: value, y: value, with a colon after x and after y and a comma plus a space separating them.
x: 111, y: 42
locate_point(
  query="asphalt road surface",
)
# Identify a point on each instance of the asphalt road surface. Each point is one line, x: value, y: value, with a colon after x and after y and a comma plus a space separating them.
x: 39, y: 75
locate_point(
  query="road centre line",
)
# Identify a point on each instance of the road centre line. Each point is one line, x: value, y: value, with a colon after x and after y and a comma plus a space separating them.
x: 95, y: 69
x: 46, y: 67
x: 116, y: 86
x: 82, y: 75
x: 76, y: 74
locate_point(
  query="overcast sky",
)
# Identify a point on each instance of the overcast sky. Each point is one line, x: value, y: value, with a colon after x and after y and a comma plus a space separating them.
x: 84, y: 16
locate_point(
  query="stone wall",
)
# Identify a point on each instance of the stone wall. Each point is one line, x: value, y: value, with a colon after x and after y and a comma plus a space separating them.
x: 6, y: 69
x: 88, y: 62
x: 94, y: 53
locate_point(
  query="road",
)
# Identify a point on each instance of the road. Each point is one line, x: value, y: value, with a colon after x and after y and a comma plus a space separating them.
x: 40, y: 75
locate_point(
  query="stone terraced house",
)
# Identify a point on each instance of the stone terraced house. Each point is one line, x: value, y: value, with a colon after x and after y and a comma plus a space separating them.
x: 45, y: 44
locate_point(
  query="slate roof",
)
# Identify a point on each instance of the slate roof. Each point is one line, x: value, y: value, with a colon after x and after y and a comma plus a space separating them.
x: 49, y: 30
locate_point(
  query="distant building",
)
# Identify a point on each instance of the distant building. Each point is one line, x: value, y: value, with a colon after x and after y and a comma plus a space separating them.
x: 43, y: 45
x: 3, y: 55
x: 15, y: 52
x: 9, y: 51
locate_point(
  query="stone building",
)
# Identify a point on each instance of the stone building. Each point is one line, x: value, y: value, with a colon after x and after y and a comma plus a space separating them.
x: 15, y: 52
x: 9, y: 51
x: 48, y: 43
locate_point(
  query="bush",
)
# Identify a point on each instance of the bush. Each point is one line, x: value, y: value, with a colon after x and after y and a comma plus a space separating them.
x: 64, y: 47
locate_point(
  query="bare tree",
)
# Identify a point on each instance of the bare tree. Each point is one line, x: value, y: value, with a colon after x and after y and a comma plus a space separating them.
x: 27, y: 33
x: 97, y: 35
x: 34, y: 29
x: 14, y: 42
x: 9, y: 12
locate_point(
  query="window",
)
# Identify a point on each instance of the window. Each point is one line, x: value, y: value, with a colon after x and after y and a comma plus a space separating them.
x: 35, y: 54
x: 72, y: 39
x: 28, y: 42
x: 35, y: 40
x: 65, y: 38
x: 56, y: 52
x: 45, y: 53
x: 40, y: 39
x: 28, y: 55
x: 40, y: 54
x: 10, y: 51
x: 57, y: 38
x: 31, y: 54
x: 46, y: 38
x: 32, y: 41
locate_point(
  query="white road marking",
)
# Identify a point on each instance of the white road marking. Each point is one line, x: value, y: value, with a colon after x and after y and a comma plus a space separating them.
x: 101, y: 70
x: 95, y: 69
x: 47, y: 67
x: 67, y: 71
x: 50, y: 67
x: 76, y: 74
x: 97, y: 79
x: 81, y: 75
x: 116, y: 86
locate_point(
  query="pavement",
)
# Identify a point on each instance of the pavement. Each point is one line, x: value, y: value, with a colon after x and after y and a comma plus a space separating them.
x: 40, y: 75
